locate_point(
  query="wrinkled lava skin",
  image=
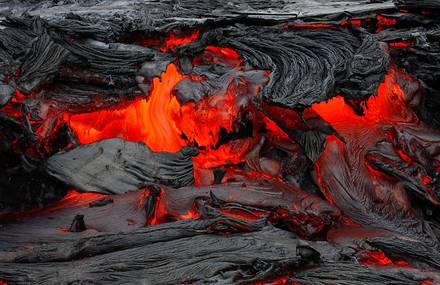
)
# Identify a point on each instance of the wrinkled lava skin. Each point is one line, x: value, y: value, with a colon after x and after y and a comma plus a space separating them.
x: 197, y: 142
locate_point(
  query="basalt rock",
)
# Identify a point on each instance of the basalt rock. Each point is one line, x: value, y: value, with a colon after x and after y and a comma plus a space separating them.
x: 118, y: 166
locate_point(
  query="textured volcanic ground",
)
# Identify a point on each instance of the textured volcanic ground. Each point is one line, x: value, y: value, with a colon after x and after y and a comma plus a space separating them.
x: 212, y: 142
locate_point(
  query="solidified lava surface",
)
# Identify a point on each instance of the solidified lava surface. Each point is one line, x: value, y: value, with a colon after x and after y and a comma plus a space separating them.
x: 186, y: 142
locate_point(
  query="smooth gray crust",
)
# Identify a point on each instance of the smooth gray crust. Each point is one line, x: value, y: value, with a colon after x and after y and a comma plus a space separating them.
x: 116, y: 166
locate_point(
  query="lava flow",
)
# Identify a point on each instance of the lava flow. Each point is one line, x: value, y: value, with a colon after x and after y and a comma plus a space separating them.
x: 164, y: 124
x: 380, y: 259
x: 148, y: 120
x: 387, y: 105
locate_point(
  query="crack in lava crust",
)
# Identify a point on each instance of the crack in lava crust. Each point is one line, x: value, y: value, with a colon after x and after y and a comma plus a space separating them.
x: 369, y: 196
x: 164, y: 123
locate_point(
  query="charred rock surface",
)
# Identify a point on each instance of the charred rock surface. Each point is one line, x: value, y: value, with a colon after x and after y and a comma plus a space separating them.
x: 117, y: 166
x: 347, y: 61
x: 228, y: 259
x: 210, y: 142
x: 356, y: 274
x: 305, y: 214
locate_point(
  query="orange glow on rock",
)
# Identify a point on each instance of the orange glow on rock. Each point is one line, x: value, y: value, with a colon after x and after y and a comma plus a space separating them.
x: 19, y: 96
x: 174, y: 40
x: 330, y: 138
x: 383, y: 22
x: 213, y: 54
x: 379, y: 258
x: 313, y: 26
x: 149, y: 120
x: 170, y: 41
x: 192, y: 214
x: 389, y: 103
x: 231, y: 153
x: 72, y: 198
x: 249, y: 216
x: 356, y: 22
x: 274, y: 129
x: 222, y: 51
x: 162, y: 215
x: 201, y: 121
x: 162, y: 123
x: 401, y: 44
x: 403, y: 155
x: 362, y: 132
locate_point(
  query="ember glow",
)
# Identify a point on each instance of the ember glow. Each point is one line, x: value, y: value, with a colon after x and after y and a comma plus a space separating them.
x: 160, y: 120
x: 170, y: 41
x: 148, y: 120
x: 72, y: 198
x: 295, y: 142
x: 383, y: 22
x: 163, y: 124
x: 387, y: 105
x: 379, y: 258
x: 174, y: 40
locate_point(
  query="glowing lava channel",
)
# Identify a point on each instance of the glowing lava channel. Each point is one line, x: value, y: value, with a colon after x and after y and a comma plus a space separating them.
x: 149, y: 120
x: 162, y: 123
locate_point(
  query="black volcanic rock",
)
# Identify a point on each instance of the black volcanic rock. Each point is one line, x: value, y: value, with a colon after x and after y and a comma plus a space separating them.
x: 117, y: 166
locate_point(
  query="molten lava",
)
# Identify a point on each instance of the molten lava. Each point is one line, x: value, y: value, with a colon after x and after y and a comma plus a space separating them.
x: 401, y: 44
x: 383, y: 22
x: 170, y: 41
x: 379, y: 258
x: 387, y: 105
x: 162, y: 123
x: 281, y: 280
x: 174, y: 40
x: 159, y: 121
x: 214, y: 54
x: 148, y: 120
x: 313, y: 26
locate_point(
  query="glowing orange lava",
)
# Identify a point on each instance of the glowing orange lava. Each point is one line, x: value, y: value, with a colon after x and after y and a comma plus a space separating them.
x: 163, y: 124
x: 383, y: 22
x: 159, y: 121
x: 174, y: 40
x: 149, y: 120
x: 401, y: 44
x: 379, y: 258
x: 388, y: 104
x: 362, y: 132
x: 355, y: 22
